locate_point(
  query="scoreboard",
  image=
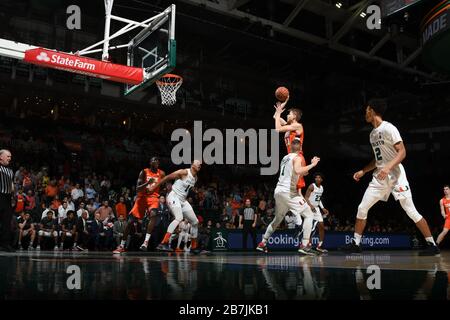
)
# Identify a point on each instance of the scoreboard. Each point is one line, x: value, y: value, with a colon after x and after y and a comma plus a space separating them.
x: 389, y: 7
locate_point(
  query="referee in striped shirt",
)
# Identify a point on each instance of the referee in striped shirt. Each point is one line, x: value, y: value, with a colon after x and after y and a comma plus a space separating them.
x: 6, y: 192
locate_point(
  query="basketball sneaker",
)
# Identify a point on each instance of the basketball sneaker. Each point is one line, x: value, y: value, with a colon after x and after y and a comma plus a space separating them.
x: 307, y: 251
x: 430, y: 250
x: 164, y: 247
x: 262, y: 247
x: 352, y: 247
x: 119, y: 250
x: 321, y: 250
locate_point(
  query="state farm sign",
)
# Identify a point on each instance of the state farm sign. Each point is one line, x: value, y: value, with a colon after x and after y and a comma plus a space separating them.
x: 83, y: 65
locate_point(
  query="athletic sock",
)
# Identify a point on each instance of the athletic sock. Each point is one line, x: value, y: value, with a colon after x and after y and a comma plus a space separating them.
x: 305, y: 242
x: 430, y: 239
x: 147, y: 237
x: 320, y: 244
x: 194, y: 243
x: 122, y: 243
x: 357, y: 238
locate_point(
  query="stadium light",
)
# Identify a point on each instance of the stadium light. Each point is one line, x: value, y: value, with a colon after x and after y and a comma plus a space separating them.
x: 338, y: 4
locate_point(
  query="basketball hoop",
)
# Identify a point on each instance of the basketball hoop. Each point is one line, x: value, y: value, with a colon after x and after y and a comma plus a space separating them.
x: 168, y: 85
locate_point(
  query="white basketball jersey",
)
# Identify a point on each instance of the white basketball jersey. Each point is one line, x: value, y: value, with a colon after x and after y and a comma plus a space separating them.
x: 181, y: 187
x: 287, y: 182
x: 382, y: 140
x: 316, y: 195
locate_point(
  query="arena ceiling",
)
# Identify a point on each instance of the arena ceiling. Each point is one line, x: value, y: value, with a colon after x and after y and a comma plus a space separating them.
x: 322, y: 23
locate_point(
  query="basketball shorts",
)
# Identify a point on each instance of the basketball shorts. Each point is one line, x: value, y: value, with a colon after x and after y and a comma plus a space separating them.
x: 447, y: 222
x: 317, y: 214
x: 284, y: 202
x: 142, y: 204
x: 396, y: 183
x: 181, y: 208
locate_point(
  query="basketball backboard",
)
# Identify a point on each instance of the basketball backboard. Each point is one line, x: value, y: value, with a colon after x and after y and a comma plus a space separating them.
x: 153, y: 50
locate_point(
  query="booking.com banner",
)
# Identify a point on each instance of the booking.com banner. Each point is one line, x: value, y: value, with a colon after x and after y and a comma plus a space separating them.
x: 333, y: 240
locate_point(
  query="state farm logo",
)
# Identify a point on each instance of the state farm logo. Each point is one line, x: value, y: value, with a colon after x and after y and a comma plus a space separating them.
x: 43, y: 57
x: 66, y: 62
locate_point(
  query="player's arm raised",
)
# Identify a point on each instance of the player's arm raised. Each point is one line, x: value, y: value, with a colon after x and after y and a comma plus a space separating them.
x: 441, y: 204
x: 371, y: 166
x: 308, y: 194
x: 303, y: 171
x: 280, y: 124
x: 173, y: 176
x: 401, y: 155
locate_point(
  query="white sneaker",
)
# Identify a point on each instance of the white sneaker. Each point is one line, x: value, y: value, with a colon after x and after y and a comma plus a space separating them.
x: 38, y: 248
x: 56, y: 248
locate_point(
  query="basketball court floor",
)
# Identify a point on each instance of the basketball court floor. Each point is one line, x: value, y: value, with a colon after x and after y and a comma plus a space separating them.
x: 224, y: 276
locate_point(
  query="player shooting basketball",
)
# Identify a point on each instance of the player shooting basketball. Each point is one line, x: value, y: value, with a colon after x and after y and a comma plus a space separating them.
x: 293, y: 130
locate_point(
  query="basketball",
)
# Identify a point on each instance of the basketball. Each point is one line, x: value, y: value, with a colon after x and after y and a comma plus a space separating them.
x: 281, y: 94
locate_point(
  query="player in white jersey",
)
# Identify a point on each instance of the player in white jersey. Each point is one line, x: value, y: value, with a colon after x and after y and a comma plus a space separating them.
x: 314, y: 198
x: 177, y: 203
x: 183, y: 234
x: 389, y: 177
x: 288, y: 199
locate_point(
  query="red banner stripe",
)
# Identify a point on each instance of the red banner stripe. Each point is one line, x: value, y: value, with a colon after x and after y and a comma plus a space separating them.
x: 87, y: 66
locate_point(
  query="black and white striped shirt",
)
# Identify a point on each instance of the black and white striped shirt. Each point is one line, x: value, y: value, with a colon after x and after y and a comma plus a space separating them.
x: 248, y: 213
x: 6, y: 180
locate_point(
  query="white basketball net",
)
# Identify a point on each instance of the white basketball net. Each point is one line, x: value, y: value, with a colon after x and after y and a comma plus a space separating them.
x: 168, y: 86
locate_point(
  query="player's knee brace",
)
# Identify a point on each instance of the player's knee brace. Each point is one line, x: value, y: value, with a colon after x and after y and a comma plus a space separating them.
x: 362, y: 212
x: 408, y: 205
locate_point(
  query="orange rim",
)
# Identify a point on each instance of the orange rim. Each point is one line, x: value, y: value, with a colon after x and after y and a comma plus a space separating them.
x: 169, y: 76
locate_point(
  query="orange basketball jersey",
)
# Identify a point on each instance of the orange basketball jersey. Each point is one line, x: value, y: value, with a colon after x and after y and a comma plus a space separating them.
x: 290, y: 136
x: 157, y: 176
x: 446, y: 204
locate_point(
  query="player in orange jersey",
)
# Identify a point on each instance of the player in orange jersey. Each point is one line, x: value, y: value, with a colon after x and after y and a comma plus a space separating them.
x: 445, y: 211
x: 146, y: 201
x: 292, y: 129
